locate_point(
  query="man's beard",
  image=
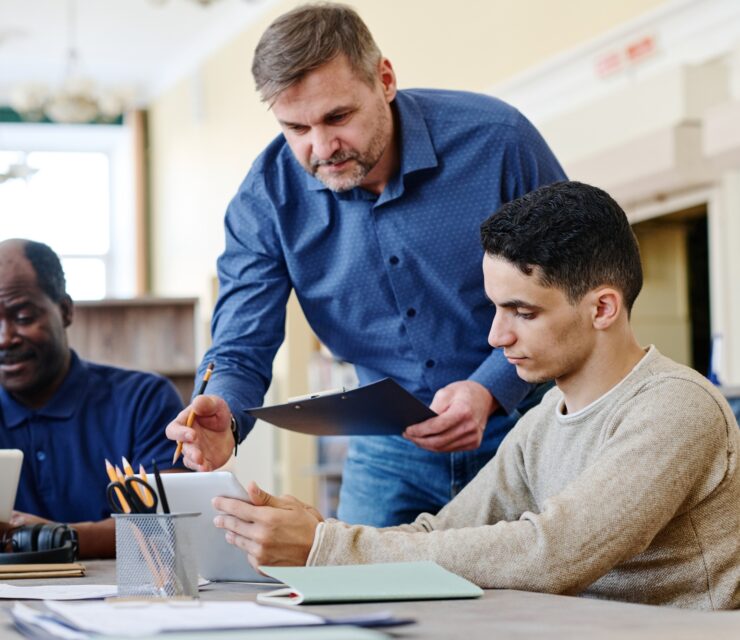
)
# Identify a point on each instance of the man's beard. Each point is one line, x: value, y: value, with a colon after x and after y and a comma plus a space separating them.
x: 350, y: 178
x: 360, y: 164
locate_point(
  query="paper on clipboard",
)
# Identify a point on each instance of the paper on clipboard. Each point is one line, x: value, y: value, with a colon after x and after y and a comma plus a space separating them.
x: 381, y: 408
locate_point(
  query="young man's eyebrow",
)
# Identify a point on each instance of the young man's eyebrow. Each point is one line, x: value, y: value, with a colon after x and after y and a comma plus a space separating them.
x: 516, y: 303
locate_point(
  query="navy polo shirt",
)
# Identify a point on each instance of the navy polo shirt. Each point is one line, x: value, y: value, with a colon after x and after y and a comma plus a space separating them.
x: 98, y: 412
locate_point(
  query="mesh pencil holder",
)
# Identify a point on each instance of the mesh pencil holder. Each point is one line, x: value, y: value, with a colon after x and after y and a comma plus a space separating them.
x: 155, y: 555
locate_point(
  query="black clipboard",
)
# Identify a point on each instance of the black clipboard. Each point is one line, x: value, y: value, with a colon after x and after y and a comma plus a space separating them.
x: 381, y: 408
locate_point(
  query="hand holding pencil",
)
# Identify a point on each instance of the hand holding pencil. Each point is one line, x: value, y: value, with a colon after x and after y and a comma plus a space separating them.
x: 204, y: 429
x: 191, y: 415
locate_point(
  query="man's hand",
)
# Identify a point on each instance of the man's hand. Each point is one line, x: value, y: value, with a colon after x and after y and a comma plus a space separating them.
x: 463, y: 408
x: 20, y: 519
x: 209, y: 443
x: 272, y: 531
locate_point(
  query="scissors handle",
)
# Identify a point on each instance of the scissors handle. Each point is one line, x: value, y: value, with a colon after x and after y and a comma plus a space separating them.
x: 143, y: 498
x: 134, y: 495
x: 117, y: 496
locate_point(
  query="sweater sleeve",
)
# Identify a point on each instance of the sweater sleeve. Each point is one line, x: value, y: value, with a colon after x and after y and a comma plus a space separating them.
x: 498, y: 493
x: 665, y: 451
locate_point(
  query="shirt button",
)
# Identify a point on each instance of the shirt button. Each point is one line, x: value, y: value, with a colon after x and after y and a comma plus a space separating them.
x: 40, y: 456
x: 411, y: 312
x: 394, y: 260
x: 429, y: 364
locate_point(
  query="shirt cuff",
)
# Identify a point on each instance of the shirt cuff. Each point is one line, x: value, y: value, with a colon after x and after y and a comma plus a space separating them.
x: 317, y: 536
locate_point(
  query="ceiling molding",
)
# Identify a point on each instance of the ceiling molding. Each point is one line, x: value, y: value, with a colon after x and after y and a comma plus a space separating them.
x: 682, y: 32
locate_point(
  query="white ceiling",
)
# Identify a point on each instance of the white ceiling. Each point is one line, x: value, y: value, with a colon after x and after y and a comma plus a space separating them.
x: 141, y: 46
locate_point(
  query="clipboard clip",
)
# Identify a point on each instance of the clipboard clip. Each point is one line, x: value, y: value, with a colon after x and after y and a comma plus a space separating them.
x: 319, y: 394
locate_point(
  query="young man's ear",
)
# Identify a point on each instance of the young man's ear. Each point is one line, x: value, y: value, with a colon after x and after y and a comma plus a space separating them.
x: 607, y: 306
x: 68, y: 310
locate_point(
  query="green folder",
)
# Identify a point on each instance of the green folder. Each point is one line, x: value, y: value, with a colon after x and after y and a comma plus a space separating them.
x: 367, y: 583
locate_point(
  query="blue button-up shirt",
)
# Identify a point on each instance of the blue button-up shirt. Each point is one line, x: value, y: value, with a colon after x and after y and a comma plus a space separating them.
x: 98, y: 412
x: 391, y: 283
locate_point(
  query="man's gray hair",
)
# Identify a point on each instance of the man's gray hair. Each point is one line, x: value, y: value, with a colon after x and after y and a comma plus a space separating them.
x: 308, y: 37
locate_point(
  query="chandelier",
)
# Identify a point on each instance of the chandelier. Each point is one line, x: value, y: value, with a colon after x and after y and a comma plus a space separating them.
x: 78, y: 100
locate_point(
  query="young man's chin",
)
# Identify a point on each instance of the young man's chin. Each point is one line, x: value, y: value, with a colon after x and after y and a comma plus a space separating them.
x: 531, y: 376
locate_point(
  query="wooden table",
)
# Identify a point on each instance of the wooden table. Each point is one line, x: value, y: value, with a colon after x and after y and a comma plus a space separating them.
x: 498, y: 615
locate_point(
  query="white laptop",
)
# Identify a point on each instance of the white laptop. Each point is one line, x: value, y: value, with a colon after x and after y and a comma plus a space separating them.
x: 217, y: 559
x: 10, y: 472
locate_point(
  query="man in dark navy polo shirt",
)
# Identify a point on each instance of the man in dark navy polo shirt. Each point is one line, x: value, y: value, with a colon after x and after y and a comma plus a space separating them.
x: 65, y: 414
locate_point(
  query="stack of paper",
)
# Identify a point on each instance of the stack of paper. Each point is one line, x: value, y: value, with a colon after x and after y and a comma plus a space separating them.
x: 146, y: 618
x: 151, y: 617
x: 65, y: 591
x: 58, y: 592
x: 143, y: 620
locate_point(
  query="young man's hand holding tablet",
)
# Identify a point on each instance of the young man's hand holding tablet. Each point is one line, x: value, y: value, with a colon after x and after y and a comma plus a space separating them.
x: 217, y: 559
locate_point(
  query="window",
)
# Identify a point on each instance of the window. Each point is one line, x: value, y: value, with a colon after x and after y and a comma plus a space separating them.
x: 66, y: 204
x: 79, y: 202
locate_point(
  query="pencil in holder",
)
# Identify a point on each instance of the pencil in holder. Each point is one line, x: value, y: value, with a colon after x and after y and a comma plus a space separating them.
x: 155, y: 555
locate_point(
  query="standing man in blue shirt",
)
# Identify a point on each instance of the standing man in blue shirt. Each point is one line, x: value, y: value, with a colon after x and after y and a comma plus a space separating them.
x: 65, y: 414
x: 368, y: 206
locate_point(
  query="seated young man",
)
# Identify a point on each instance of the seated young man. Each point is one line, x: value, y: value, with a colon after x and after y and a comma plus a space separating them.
x: 622, y: 484
x: 65, y: 414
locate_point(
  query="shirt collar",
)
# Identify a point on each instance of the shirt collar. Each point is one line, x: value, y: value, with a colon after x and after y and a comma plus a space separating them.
x: 416, y: 149
x: 62, y: 404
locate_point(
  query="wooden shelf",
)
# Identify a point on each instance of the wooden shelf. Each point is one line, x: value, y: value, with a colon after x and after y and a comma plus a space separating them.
x: 147, y: 334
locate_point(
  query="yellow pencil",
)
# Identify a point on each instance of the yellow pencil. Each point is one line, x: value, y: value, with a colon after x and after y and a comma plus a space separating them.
x: 147, y: 498
x: 191, y: 415
x: 127, y: 468
x: 113, y: 477
x: 158, y: 573
x: 129, y: 471
x: 119, y: 474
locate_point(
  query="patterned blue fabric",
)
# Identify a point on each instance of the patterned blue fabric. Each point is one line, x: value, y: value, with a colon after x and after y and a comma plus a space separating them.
x: 98, y: 412
x: 391, y: 283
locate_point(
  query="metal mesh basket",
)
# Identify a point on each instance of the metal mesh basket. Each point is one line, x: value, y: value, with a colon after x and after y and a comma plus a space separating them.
x: 155, y: 556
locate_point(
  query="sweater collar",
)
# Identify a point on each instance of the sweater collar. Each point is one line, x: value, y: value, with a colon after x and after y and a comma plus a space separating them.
x: 650, y: 354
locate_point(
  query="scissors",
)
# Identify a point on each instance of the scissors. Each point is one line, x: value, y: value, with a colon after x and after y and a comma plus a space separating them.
x: 133, y: 495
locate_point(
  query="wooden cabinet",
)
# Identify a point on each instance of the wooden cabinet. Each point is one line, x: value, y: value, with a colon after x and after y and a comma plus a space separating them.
x: 148, y: 334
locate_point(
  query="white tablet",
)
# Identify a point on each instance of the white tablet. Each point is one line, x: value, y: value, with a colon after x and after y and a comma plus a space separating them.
x: 217, y: 559
x: 10, y: 471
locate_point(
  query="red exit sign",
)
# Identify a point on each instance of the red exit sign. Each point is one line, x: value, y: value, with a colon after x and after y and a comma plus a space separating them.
x: 631, y: 53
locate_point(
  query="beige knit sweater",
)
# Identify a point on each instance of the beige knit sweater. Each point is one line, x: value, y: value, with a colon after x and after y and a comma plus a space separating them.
x: 635, y: 498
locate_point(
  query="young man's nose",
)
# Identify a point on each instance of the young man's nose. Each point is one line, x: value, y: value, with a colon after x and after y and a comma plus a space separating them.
x: 500, y: 335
